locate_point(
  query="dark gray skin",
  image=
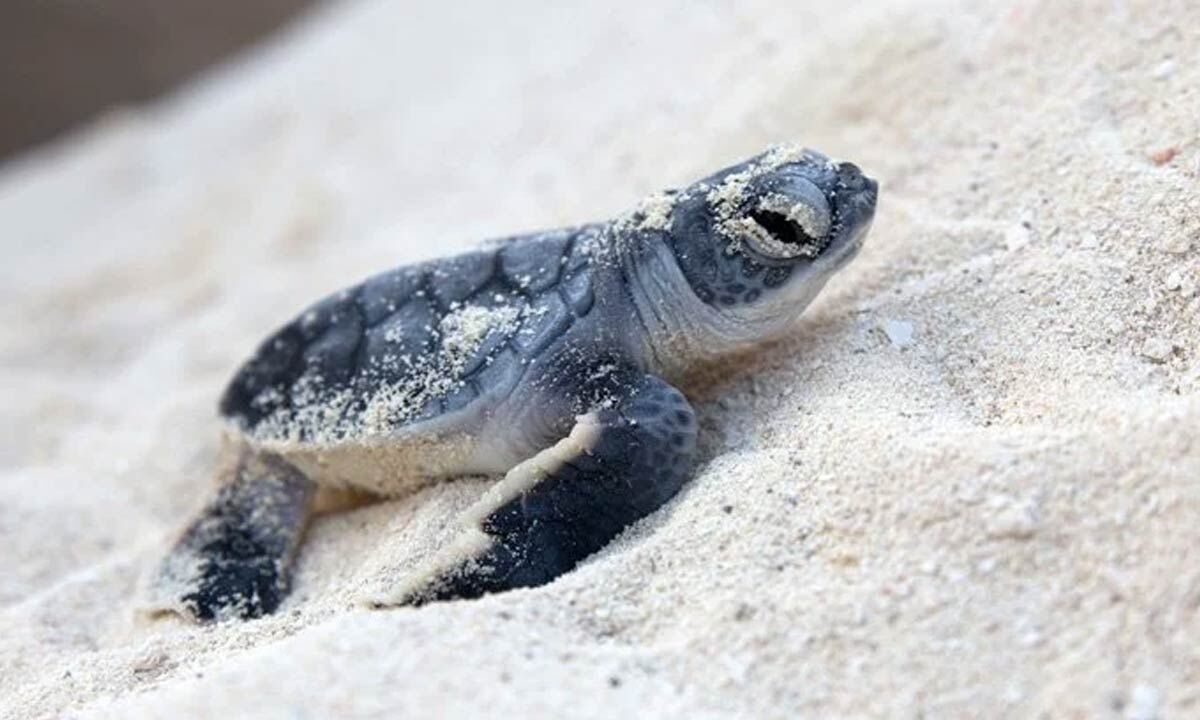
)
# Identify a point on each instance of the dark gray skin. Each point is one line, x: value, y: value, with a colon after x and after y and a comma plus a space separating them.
x: 549, y: 357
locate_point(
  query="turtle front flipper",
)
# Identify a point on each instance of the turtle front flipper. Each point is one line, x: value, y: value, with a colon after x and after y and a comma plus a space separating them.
x: 620, y: 462
x: 235, y: 558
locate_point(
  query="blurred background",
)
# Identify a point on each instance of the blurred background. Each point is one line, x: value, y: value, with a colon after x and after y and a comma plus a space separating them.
x: 993, y: 507
x: 63, y: 62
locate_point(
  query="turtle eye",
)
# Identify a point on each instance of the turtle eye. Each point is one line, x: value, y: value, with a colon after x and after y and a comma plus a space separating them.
x: 793, y: 237
x: 788, y: 228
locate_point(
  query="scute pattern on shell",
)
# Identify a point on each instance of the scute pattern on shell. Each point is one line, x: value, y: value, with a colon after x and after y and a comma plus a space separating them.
x: 414, y: 342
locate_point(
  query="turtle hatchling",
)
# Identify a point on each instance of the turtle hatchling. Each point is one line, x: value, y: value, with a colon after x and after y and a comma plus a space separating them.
x: 548, y: 359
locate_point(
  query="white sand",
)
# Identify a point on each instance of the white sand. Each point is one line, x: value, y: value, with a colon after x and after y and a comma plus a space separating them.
x: 968, y: 486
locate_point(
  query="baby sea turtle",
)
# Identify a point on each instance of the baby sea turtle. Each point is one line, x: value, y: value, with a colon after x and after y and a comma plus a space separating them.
x: 548, y: 357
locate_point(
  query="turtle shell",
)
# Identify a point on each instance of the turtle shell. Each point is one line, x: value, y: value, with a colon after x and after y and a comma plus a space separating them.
x: 414, y: 343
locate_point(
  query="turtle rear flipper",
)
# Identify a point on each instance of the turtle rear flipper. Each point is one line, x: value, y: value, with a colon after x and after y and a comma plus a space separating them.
x: 235, y: 558
x: 616, y: 466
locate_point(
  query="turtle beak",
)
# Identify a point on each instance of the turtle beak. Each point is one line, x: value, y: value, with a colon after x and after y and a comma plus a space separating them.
x: 855, y: 199
x: 855, y: 196
x: 857, y: 193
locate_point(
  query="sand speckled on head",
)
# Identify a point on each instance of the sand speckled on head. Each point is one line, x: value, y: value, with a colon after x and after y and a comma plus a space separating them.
x: 967, y: 486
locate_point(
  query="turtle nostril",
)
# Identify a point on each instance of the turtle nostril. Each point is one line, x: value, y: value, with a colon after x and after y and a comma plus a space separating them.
x: 851, y: 176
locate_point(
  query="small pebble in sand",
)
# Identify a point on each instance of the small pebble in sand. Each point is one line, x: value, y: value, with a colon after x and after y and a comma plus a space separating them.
x: 1144, y: 702
x: 1165, y: 69
x: 150, y: 660
x: 1174, y: 280
x: 1011, y: 519
x: 1164, y: 155
x: 1175, y: 244
x: 899, y: 332
x: 1017, y: 236
x: 1157, y: 349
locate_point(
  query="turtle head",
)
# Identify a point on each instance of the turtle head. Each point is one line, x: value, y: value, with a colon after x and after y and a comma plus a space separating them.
x: 757, y: 241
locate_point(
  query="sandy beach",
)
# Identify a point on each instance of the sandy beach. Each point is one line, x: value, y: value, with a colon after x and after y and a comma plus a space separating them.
x: 968, y: 485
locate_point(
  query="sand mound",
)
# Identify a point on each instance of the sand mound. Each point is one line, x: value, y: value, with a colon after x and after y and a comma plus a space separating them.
x: 968, y: 486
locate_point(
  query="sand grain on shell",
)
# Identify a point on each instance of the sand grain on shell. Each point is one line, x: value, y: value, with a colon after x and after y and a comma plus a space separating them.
x: 321, y: 412
x: 997, y: 510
